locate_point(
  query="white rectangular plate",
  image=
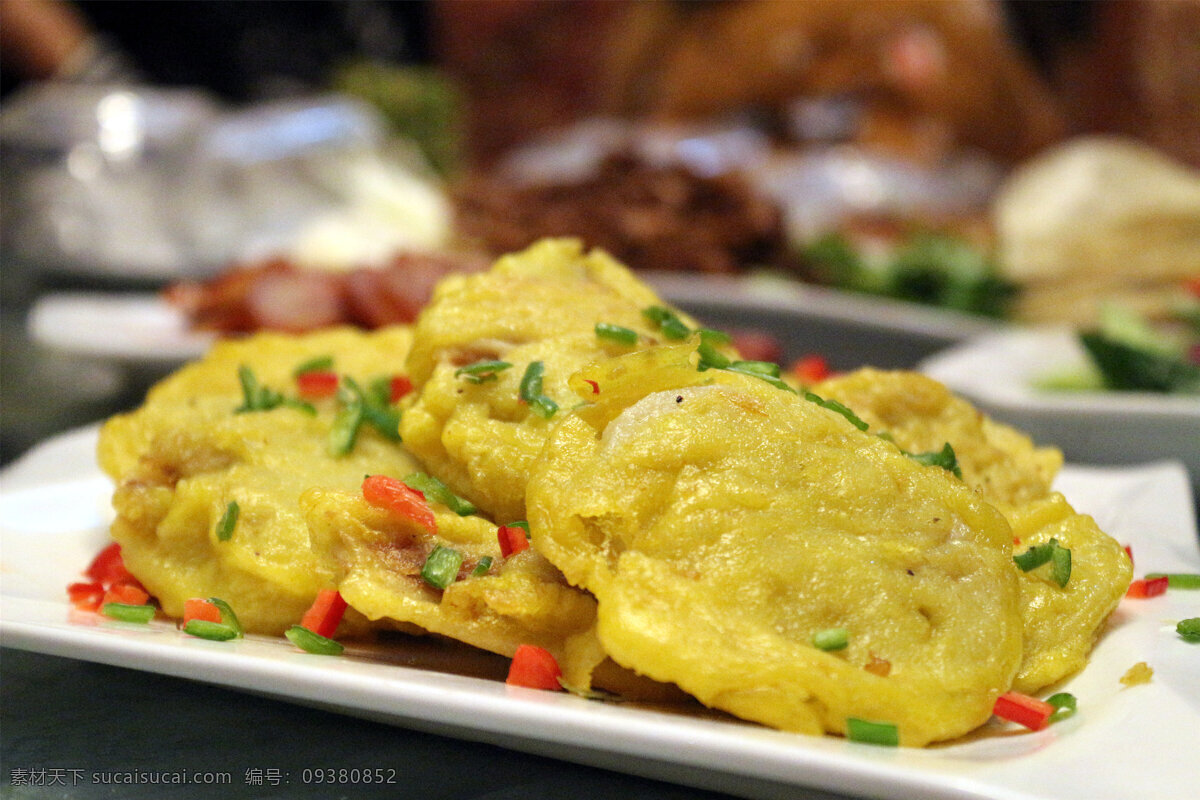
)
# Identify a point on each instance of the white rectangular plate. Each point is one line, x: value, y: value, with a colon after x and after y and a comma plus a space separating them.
x: 1124, y: 741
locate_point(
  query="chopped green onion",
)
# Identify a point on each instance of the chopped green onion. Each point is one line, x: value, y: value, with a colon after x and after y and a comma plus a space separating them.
x: 711, y: 357
x: 483, y: 566
x: 757, y: 368
x: 531, y: 391
x: 379, y: 392
x: 1177, y: 580
x: 861, y: 730
x: 1189, y: 629
x: 126, y: 612
x: 522, y: 524
x: 1060, y: 569
x: 216, y: 631
x: 616, y: 333
x: 344, y: 432
x: 544, y: 407
x: 1064, y: 704
x: 715, y: 336
x: 1035, y: 556
x: 313, y: 643
x: 256, y: 397
x: 944, y: 458
x: 227, y: 616
x: 441, y: 567
x: 834, y: 405
x: 228, y: 521
x: 375, y: 407
x: 318, y: 364
x: 481, y: 371
x: 435, y: 490
x: 831, y: 639
x: 668, y: 322
x: 1040, y: 554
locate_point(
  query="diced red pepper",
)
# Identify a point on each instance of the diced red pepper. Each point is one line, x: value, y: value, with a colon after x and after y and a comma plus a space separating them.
x: 1143, y: 588
x: 323, y: 617
x: 399, y: 498
x: 1129, y: 552
x: 1023, y: 710
x: 595, y: 386
x: 810, y: 369
x: 199, y: 608
x: 512, y: 539
x: 86, y: 596
x: 400, y: 386
x: 108, y: 567
x: 317, y: 384
x: 127, y: 593
x: 534, y: 668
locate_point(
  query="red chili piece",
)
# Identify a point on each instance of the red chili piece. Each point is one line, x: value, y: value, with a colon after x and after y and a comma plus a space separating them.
x: 317, y: 384
x: 534, y: 668
x: 1147, y: 587
x: 1023, y: 710
x: 512, y: 539
x: 401, y: 385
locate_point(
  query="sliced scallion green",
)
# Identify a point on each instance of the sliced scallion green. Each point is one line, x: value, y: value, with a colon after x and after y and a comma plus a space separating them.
x: 1189, y: 629
x: 313, y: 643
x: 204, y: 629
x: 616, y: 333
x: 1177, y: 580
x: 228, y: 521
x: 834, y: 405
x: 483, y: 566
x: 1060, y: 565
x: 668, y: 322
x: 1064, y: 704
x: 861, y: 730
x: 831, y: 639
x: 522, y: 524
x: 531, y: 391
x: 481, y: 371
x: 227, y: 616
x: 441, y: 567
x: 1040, y: 554
x: 944, y: 458
x: 435, y: 490
x: 344, y: 431
x: 127, y: 612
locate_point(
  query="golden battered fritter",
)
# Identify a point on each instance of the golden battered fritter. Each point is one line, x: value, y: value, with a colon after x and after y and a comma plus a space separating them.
x: 521, y: 599
x: 722, y: 522
x: 1061, y: 623
x: 539, y: 305
x: 180, y: 459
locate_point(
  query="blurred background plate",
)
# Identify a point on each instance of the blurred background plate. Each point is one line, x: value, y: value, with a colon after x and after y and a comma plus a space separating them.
x: 1000, y: 372
x: 137, y: 328
x: 849, y: 330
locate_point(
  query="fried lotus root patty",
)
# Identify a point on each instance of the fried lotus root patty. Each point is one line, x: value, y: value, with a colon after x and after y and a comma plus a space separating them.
x: 1062, y: 623
x: 180, y: 459
x: 539, y: 305
x: 721, y: 522
x: 521, y: 599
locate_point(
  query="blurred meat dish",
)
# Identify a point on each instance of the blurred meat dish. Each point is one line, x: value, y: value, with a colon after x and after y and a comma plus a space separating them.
x: 651, y: 217
x: 277, y: 295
